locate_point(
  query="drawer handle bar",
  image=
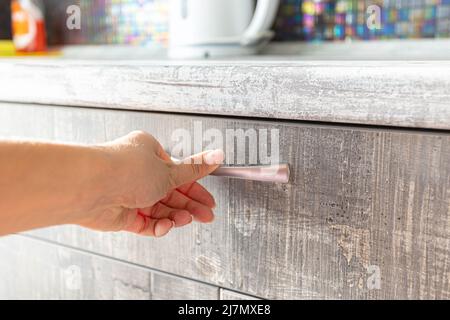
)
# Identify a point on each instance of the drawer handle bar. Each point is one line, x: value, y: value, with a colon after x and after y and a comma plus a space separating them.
x: 270, y: 173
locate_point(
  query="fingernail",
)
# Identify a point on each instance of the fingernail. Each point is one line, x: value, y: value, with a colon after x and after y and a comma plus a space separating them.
x: 214, y: 157
x: 192, y: 218
x: 161, y: 231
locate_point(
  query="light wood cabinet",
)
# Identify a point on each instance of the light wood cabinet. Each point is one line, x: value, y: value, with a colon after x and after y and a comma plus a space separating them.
x: 365, y: 215
x: 33, y: 269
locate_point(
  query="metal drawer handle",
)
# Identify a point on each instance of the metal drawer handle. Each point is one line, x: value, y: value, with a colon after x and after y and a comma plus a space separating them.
x: 270, y: 173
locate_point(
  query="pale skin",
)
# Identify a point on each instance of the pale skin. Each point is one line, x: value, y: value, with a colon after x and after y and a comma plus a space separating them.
x: 129, y: 184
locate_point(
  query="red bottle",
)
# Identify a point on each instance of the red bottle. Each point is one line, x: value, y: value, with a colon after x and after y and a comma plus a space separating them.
x: 28, y: 25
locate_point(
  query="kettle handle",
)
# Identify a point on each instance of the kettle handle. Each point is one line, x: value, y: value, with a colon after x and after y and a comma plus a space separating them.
x: 263, y: 18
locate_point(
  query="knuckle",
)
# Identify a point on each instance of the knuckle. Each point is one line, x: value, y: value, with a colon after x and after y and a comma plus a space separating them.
x: 140, y: 136
x: 136, y: 133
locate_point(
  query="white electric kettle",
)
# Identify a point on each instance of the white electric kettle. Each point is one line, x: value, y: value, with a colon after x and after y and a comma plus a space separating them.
x: 218, y: 28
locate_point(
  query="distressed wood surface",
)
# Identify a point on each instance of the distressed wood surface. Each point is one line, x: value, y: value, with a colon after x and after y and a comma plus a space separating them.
x: 231, y: 295
x: 32, y: 269
x: 165, y: 287
x: 362, y: 204
x: 388, y: 93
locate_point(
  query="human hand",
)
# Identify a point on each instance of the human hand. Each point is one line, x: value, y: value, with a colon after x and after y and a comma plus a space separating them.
x: 151, y: 194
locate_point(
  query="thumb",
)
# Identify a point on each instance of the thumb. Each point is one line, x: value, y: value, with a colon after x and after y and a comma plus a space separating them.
x: 196, y: 167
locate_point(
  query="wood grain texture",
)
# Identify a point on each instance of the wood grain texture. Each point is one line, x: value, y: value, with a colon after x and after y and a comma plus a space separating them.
x: 32, y: 269
x: 361, y: 204
x: 165, y: 287
x: 389, y: 93
x: 231, y: 295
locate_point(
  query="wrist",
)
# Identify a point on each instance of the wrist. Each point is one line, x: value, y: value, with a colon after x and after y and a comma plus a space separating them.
x: 98, y: 189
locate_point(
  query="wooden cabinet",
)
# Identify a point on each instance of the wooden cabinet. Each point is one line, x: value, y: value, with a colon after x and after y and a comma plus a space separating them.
x: 32, y: 269
x: 365, y: 215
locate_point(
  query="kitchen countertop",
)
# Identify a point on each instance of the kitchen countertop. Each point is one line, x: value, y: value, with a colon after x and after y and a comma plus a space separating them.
x: 292, y: 86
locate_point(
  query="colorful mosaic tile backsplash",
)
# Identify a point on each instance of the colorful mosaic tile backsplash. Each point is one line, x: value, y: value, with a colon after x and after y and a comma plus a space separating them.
x: 136, y: 22
x: 144, y: 22
x: 347, y: 19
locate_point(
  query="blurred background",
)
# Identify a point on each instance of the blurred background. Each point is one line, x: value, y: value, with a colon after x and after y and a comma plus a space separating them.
x: 145, y: 22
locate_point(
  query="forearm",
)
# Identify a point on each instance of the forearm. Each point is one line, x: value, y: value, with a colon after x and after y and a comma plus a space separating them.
x: 44, y: 184
x: 128, y: 184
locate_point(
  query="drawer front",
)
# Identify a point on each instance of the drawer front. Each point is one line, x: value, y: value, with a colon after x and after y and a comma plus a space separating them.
x: 365, y: 215
x: 32, y: 269
x: 231, y: 295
